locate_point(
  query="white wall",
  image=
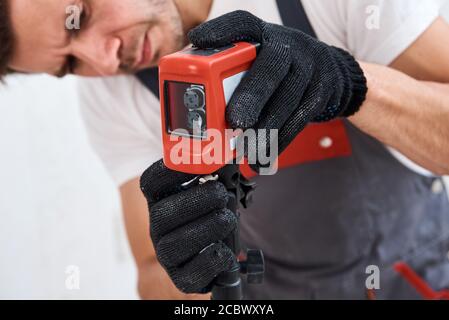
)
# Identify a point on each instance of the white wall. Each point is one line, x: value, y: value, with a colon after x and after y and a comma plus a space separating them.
x: 446, y: 11
x: 58, y: 207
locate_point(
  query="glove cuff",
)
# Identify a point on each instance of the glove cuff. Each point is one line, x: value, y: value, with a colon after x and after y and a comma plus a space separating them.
x: 356, y: 88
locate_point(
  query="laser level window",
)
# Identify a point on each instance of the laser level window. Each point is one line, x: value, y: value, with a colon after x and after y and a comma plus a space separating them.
x: 185, y: 107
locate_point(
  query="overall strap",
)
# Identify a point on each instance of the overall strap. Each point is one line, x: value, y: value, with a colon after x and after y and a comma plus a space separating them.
x: 150, y: 79
x: 294, y: 16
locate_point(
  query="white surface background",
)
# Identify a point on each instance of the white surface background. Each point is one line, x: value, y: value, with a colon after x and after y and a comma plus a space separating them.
x: 58, y: 207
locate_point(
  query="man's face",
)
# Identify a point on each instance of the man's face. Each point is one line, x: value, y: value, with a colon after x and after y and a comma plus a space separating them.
x: 115, y: 36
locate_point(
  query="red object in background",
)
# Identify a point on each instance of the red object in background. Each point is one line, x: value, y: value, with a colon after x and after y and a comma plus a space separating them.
x: 306, y: 147
x: 419, y: 284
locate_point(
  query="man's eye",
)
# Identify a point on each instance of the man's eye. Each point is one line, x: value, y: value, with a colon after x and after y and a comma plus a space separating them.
x: 82, y: 17
x: 85, y: 14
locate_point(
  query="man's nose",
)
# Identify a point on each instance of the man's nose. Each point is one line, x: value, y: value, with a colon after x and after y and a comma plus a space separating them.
x: 98, y: 55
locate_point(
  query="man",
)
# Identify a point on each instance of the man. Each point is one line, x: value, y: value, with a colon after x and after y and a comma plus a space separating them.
x: 319, y: 223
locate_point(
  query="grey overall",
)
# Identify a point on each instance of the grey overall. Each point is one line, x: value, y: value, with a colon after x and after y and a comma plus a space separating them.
x: 321, y: 224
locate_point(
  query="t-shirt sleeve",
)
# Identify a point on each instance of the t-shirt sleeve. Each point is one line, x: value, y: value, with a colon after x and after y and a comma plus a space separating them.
x: 375, y: 31
x: 123, y: 124
x: 378, y: 31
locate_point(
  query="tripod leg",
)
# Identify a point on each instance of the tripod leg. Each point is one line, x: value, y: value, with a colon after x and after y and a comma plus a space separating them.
x: 228, y: 285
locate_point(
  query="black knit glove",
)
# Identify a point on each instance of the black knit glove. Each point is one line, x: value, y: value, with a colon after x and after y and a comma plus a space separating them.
x: 187, y: 227
x: 295, y: 80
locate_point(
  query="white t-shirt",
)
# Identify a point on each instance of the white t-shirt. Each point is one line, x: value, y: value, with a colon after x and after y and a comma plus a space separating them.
x: 122, y: 116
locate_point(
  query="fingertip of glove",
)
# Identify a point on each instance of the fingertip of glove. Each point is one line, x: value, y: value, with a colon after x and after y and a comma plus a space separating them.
x: 158, y: 181
x: 151, y: 172
x: 197, y: 276
x: 227, y: 219
x: 216, y: 32
x: 225, y: 257
x: 219, y: 190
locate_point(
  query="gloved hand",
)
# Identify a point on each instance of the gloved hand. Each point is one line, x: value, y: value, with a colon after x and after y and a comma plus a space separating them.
x: 187, y: 227
x: 295, y: 79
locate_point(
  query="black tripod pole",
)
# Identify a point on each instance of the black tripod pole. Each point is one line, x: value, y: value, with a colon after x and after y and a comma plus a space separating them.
x: 228, y: 285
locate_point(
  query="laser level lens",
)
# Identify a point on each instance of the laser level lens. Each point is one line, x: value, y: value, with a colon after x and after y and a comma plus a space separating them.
x: 185, y: 106
x: 194, y: 98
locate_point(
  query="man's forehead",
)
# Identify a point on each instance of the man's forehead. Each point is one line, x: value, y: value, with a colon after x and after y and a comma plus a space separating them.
x: 38, y: 10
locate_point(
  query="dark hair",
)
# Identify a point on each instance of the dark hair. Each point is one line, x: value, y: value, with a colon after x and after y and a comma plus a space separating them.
x: 6, y: 38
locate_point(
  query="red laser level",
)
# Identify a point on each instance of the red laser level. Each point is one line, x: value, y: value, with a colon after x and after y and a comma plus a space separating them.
x: 195, y: 88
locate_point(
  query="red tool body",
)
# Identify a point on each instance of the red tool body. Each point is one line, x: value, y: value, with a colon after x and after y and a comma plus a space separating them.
x: 195, y: 87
